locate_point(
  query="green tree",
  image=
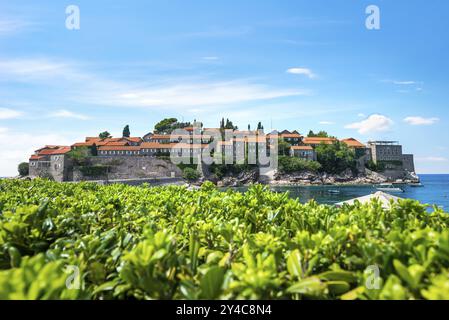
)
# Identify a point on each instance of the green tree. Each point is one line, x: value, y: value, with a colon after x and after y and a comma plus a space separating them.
x: 320, y: 134
x: 294, y: 164
x: 190, y: 174
x: 24, y: 169
x: 259, y: 126
x: 126, y: 132
x: 167, y: 125
x: 79, y: 155
x: 105, y: 135
x: 283, y: 147
x: 336, y: 157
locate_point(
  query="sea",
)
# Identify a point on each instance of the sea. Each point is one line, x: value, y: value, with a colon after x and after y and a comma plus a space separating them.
x: 434, y: 191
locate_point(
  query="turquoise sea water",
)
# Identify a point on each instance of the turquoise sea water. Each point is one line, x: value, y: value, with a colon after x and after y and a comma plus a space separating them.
x: 434, y: 192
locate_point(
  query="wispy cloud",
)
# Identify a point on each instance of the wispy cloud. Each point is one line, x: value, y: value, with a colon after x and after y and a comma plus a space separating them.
x: 420, y: 121
x: 326, y: 122
x: 406, y: 86
x: 404, y: 82
x: 432, y: 159
x: 211, y: 58
x: 34, y: 69
x: 220, y: 32
x: 374, y: 123
x: 11, y: 26
x: 23, y: 146
x: 68, y: 114
x: 302, y: 71
x: 201, y: 93
x: 77, y: 85
x: 6, y: 113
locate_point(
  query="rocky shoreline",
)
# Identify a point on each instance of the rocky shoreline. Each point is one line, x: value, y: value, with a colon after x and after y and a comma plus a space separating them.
x: 308, y: 178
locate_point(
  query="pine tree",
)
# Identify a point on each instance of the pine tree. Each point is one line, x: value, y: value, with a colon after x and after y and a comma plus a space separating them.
x: 126, y: 132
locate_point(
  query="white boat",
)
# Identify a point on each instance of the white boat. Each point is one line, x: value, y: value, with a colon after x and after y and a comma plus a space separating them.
x: 333, y: 191
x: 388, y: 187
x: 416, y: 185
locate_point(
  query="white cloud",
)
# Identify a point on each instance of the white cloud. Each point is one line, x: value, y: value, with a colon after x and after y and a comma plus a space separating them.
x: 23, y: 146
x: 420, y: 121
x: 361, y: 115
x: 302, y: 71
x: 68, y: 114
x: 374, y: 123
x: 404, y: 82
x: 34, y: 69
x: 326, y: 122
x: 6, y: 113
x: 176, y: 93
x: 10, y: 26
x: 432, y: 159
x: 199, y: 94
x: 211, y: 58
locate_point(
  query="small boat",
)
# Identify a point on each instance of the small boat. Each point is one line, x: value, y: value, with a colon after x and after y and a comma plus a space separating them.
x: 416, y: 185
x: 388, y: 187
x: 333, y: 191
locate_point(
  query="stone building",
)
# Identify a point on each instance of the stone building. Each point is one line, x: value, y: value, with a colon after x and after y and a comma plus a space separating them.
x: 385, y: 151
x: 408, y: 162
x: 50, y: 162
x: 303, y: 152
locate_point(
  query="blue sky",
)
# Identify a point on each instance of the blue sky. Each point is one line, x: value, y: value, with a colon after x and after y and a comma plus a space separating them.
x: 290, y: 64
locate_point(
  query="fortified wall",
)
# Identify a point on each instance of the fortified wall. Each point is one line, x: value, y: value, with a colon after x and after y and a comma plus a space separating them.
x: 124, y: 167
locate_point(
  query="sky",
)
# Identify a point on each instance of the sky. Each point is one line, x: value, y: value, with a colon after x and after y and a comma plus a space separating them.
x: 297, y: 65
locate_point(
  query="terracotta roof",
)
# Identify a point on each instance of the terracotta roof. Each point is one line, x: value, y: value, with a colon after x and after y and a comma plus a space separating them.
x: 160, y: 136
x: 301, y: 148
x: 49, y: 150
x: 117, y: 143
x: 119, y: 148
x: 83, y: 144
x: 155, y: 145
x: 290, y: 135
x: 318, y: 140
x: 53, y: 151
x: 36, y: 157
x: 189, y: 146
x: 351, y: 142
x: 92, y: 138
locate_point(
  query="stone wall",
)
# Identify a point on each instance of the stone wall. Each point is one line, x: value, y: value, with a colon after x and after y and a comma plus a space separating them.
x: 56, y: 167
x: 123, y: 167
x: 408, y: 162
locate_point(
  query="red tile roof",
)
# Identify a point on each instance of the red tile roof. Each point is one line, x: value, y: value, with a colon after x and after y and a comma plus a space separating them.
x: 353, y: 143
x: 290, y: 135
x: 318, y: 140
x: 301, y: 148
x: 119, y: 148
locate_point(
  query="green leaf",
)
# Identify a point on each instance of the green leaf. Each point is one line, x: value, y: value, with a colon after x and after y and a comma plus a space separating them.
x: 338, y: 287
x: 309, y: 287
x: 212, y: 282
x: 338, y: 276
x: 294, y: 265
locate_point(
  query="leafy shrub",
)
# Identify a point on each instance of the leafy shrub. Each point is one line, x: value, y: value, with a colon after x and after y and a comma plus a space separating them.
x: 190, y: 174
x: 294, y: 164
x: 335, y: 157
x: 23, y: 169
x: 173, y: 243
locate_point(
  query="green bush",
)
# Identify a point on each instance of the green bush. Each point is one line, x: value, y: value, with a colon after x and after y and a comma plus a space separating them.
x: 94, y: 171
x: 173, y: 243
x: 24, y: 169
x: 190, y: 174
x: 294, y: 164
x: 335, y: 157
